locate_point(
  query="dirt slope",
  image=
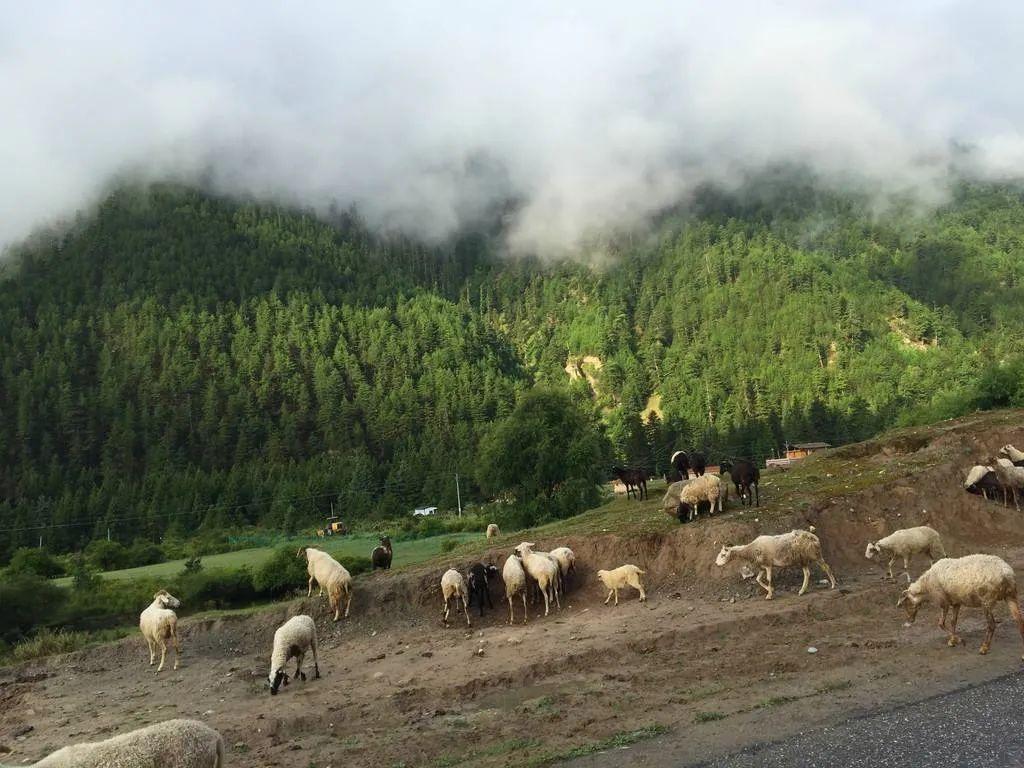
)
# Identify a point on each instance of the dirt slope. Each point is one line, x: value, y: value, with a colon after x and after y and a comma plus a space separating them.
x: 706, y: 657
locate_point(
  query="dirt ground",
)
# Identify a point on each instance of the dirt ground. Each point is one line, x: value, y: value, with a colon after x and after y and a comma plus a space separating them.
x: 706, y: 662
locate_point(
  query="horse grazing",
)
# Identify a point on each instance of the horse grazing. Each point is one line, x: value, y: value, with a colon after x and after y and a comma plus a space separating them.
x: 634, y: 479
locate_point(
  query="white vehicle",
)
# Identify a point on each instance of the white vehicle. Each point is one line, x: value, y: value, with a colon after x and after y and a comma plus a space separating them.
x: 424, y: 512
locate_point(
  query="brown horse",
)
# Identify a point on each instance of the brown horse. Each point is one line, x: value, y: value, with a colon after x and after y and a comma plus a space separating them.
x: 634, y: 479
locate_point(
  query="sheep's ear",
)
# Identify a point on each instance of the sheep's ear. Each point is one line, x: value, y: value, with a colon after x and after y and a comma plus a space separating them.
x: 904, y: 596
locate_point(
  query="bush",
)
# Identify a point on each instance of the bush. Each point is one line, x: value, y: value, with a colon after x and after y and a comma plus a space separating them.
x: 355, y: 564
x: 85, y: 579
x: 144, y: 552
x: 35, y: 561
x: 281, y: 574
x: 217, y: 588
x: 193, y: 565
x: 106, y: 555
x: 449, y: 544
x: 28, y: 601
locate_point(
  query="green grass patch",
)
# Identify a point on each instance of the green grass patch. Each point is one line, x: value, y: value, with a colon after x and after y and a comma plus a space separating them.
x: 709, y: 717
x: 47, y: 642
x: 617, y: 741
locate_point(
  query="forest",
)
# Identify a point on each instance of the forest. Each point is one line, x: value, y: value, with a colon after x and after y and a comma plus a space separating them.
x: 175, y: 361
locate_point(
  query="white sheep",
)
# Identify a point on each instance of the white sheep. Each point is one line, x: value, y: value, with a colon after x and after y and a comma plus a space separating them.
x: 620, y: 578
x: 170, y: 744
x: 1010, y: 478
x: 291, y: 641
x: 544, y: 569
x: 1017, y: 457
x: 681, y: 499
x: 492, y: 531
x: 160, y: 624
x: 796, y: 548
x: 330, y: 575
x: 453, y: 586
x: 906, y: 543
x: 977, y: 581
x: 982, y: 479
x: 566, y: 559
x: 515, y: 584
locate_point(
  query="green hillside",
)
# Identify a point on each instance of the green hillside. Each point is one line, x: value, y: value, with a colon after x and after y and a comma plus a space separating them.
x: 179, y: 361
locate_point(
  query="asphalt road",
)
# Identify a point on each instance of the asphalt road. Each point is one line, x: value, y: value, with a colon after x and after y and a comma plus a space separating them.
x: 975, y: 727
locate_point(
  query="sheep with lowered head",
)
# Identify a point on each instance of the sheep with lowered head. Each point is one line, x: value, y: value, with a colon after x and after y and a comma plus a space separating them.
x: 982, y: 480
x: 291, y: 641
x: 906, y: 543
x: 170, y: 744
x: 620, y: 578
x: 796, y: 548
x: 682, y: 499
x: 159, y: 624
x: 977, y: 581
x: 493, y: 531
x: 330, y: 575
x: 515, y: 584
x: 453, y: 587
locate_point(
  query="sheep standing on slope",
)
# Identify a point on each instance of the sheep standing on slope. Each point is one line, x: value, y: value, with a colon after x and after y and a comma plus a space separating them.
x: 682, y: 499
x: 330, y: 575
x: 160, y: 624
x: 977, y: 581
x: 1011, y: 479
x: 543, y: 569
x: 453, y: 586
x: 493, y: 531
x: 170, y: 744
x: 796, y: 548
x: 745, y: 476
x: 381, y: 555
x: 566, y: 562
x: 620, y: 578
x: 982, y: 480
x: 515, y: 584
x: 478, y: 586
x: 291, y: 641
x: 906, y: 543
x: 1017, y: 457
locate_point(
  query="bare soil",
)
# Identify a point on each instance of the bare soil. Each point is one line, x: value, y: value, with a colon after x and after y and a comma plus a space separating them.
x: 705, y: 658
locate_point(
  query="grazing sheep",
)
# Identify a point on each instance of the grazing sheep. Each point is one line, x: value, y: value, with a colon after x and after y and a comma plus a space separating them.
x: 1017, y: 457
x: 170, y: 744
x: 291, y: 641
x: 796, y: 548
x: 977, y: 581
x: 479, y: 576
x: 493, y: 531
x: 620, y: 578
x: 745, y: 476
x: 566, y: 561
x: 454, y: 586
x: 515, y: 584
x: 682, y: 499
x: 544, y: 569
x: 1011, y: 479
x: 381, y: 556
x: 330, y: 575
x: 906, y: 543
x: 160, y: 624
x: 982, y: 480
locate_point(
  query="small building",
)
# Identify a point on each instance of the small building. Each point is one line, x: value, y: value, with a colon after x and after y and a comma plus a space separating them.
x: 803, y: 450
x: 424, y: 511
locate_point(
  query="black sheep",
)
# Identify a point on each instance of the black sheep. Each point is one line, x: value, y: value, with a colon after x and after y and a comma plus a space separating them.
x: 745, y: 476
x: 684, y: 463
x: 381, y: 556
x: 479, y: 574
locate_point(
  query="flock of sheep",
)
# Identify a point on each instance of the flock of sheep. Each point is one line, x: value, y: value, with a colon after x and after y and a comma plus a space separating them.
x: 1005, y: 475
x: 976, y: 580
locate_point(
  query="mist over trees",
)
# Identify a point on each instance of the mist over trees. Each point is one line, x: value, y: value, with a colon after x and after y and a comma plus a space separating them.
x: 183, y: 362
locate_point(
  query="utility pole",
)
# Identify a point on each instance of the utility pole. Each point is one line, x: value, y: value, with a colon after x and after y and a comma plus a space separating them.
x: 458, y: 493
x: 108, y: 533
x: 40, y: 541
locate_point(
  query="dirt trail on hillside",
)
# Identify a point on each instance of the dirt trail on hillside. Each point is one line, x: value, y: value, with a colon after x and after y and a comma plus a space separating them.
x: 705, y: 657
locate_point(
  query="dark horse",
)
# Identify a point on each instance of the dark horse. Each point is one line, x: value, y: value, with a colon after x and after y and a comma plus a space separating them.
x: 635, y: 481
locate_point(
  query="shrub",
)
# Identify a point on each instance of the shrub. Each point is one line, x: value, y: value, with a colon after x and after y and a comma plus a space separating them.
x: 281, y: 574
x: 28, y: 601
x: 85, y: 579
x: 35, y: 561
x: 144, y: 552
x: 216, y: 588
x: 193, y: 565
x: 449, y: 544
x: 106, y: 555
x: 355, y: 564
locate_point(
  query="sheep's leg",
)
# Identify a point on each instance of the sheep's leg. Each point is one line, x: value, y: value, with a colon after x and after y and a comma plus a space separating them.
x: 511, y: 613
x: 465, y: 609
x: 767, y: 588
x: 299, y: 674
x: 616, y: 591
x: 953, y: 639
x: 906, y: 568
x: 891, y: 561
x: 348, y: 600
x: 524, y: 607
x: 609, y: 596
x: 547, y: 604
x: 942, y: 619
x: 309, y: 591
x: 828, y: 572
x: 177, y: 646
x: 163, y: 654
x: 1014, y: 606
x: 558, y: 601
x: 757, y: 495
x: 316, y: 661
x: 444, y: 613
x: 152, y: 652
x: 1015, y: 502
x: 990, y: 630
x: 807, y: 580
x: 640, y: 587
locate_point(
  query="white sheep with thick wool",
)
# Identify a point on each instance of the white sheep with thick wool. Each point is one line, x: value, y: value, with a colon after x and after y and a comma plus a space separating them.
x: 542, y: 568
x: 453, y: 588
x: 293, y: 640
x: 159, y: 624
x: 330, y: 575
x: 797, y: 548
x: 170, y: 744
x: 514, y: 577
x: 619, y: 578
x: 977, y: 581
x: 905, y: 543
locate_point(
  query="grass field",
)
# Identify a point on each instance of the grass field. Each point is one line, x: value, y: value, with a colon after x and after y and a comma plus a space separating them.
x: 405, y: 553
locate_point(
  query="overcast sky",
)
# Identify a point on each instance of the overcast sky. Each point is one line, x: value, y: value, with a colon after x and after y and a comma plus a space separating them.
x: 591, y: 114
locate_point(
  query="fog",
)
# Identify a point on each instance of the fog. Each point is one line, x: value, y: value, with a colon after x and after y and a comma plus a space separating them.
x: 592, y: 116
